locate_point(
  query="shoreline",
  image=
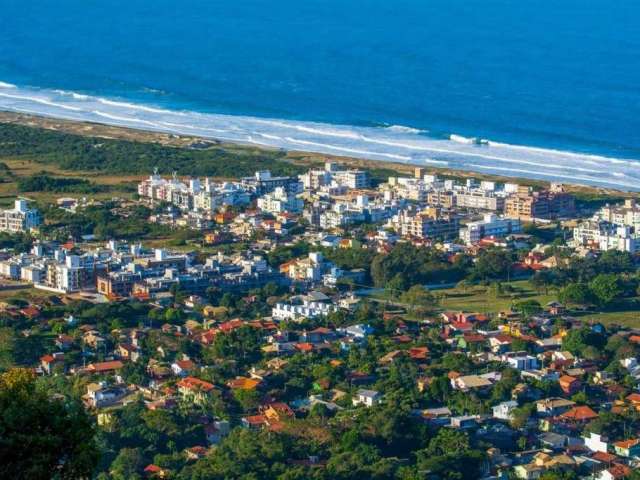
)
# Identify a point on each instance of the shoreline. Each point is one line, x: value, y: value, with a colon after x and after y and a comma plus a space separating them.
x: 103, y: 130
x: 388, y: 144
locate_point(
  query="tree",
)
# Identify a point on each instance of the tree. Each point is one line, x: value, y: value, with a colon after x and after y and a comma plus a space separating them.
x: 7, y: 348
x: 520, y: 416
x: 128, y: 465
x: 605, y: 288
x: 492, y: 264
x: 577, y: 340
x: 448, y: 442
x: 575, y: 294
x: 395, y: 286
x: 42, y: 437
x: 527, y: 307
x: 418, y: 298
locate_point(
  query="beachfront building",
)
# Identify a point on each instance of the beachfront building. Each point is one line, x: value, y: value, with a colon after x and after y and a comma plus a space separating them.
x: 526, y: 204
x: 603, y: 235
x: 431, y: 222
x: 20, y: 218
x: 280, y: 201
x: 490, y: 226
x: 627, y: 214
x: 195, y: 194
x: 480, y: 199
x: 354, y: 179
x: 263, y: 182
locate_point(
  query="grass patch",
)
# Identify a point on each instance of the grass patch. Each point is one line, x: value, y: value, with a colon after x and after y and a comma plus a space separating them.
x: 481, y: 299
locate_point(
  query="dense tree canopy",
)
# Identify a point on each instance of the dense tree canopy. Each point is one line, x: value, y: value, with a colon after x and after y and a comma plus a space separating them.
x: 42, y: 437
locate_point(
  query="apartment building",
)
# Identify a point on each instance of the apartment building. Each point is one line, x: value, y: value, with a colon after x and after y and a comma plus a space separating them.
x: 479, y: 199
x: 279, y: 201
x: 20, y: 218
x: 547, y: 204
x: 429, y: 223
x: 490, y: 226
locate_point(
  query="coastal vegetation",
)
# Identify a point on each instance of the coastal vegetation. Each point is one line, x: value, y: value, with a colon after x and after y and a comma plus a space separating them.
x: 82, y: 153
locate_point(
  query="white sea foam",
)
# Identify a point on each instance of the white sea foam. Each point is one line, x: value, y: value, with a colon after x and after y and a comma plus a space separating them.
x: 43, y: 101
x: 77, y: 96
x: 7, y: 85
x: 389, y: 143
x: 133, y: 106
x: 403, y: 129
x: 122, y: 119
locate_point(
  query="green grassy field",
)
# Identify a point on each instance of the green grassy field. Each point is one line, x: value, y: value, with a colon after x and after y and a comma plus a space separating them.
x: 482, y: 299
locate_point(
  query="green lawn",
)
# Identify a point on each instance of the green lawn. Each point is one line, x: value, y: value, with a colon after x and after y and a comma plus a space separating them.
x: 481, y: 299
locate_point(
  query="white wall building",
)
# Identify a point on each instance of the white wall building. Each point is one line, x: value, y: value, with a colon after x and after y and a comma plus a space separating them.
x: 20, y: 218
x: 285, y: 311
x: 490, y: 226
x: 280, y: 201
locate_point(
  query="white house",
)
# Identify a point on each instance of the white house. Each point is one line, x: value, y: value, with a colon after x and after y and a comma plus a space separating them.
x: 504, y: 410
x: 368, y: 398
x: 596, y: 442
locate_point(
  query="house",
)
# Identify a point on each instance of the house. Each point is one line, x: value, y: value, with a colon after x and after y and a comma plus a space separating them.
x: 359, y: 331
x: 183, y: 368
x: 93, y: 339
x: 64, y: 342
x: 194, y: 390
x: 596, y: 442
x: 543, y: 462
x: 368, y: 398
x: 504, y: 410
x: 528, y: 471
x: 555, y: 308
x: 553, y: 406
x: 49, y: 362
x: 471, y: 382
x: 128, y: 352
x: 105, y: 367
x: 419, y: 353
x: 243, y: 383
x: 154, y: 471
x: 101, y: 395
x: 617, y: 471
x: 634, y: 400
x: 569, y: 385
x: 627, y: 448
x: 438, y: 416
x: 581, y: 414
x: 520, y: 360
x: 216, y: 431
x: 500, y: 343
x: 464, y: 421
x: 552, y: 440
x: 195, y: 453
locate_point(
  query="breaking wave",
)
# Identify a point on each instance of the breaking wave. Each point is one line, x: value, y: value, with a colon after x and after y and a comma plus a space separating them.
x: 394, y: 143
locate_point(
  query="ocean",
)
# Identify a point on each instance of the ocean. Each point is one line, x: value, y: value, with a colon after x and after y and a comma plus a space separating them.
x: 553, y: 87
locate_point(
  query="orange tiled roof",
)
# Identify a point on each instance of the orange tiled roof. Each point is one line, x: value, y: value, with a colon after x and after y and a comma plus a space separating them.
x: 634, y: 398
x: 579, y: 414
x: 619, y: 471
x: 105, y: 366
x: 627, y: 443
x: 193, y: 383
x: 243, y: 383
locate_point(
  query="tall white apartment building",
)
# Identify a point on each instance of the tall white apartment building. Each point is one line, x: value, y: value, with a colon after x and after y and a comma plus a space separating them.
x: 20, y: 218
x: 280, y: 201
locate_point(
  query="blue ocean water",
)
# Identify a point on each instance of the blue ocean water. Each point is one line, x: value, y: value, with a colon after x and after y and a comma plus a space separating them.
x: 559, y: 76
